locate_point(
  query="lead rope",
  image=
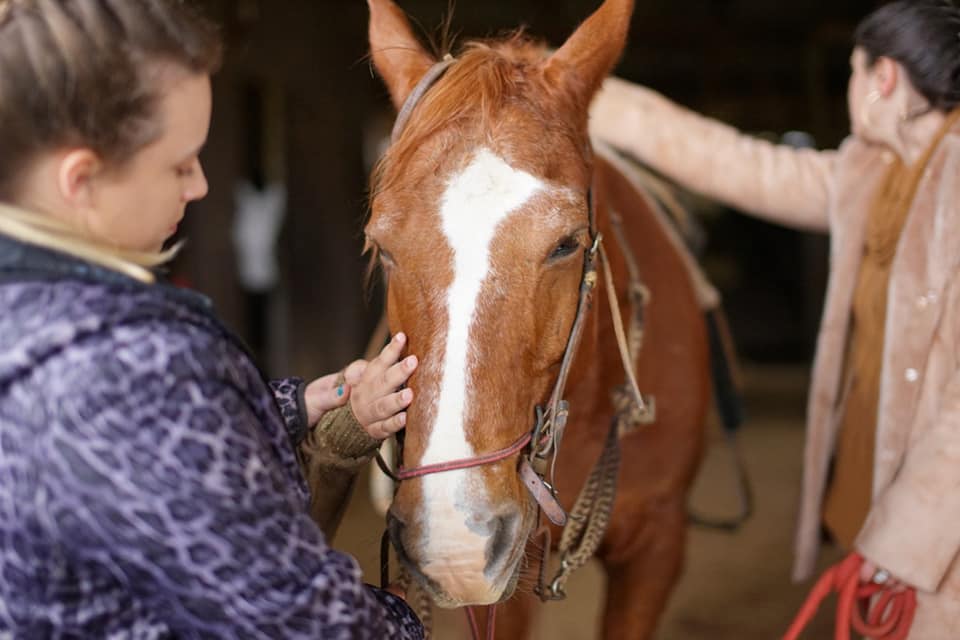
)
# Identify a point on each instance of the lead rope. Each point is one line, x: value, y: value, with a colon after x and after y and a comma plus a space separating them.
x: 889, y: 613
x: 587, y: 521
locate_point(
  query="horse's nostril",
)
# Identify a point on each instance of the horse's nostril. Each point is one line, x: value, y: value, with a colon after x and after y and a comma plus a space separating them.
x: 502, y: 540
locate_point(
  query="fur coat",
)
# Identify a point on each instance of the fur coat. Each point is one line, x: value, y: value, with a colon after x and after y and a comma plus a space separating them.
x: 913, y: 528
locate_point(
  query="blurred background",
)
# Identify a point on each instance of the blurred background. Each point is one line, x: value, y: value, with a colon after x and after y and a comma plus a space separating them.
x: 300, y: 117
x: 297, y: 104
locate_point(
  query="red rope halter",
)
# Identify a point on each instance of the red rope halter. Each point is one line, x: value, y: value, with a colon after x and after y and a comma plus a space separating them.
x: 889, y: 613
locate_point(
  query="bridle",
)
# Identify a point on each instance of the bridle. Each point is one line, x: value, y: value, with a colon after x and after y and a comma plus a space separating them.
x: 539, y: 447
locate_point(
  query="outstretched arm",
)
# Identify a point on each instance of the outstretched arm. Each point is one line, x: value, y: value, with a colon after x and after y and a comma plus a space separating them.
x: 785, y: 185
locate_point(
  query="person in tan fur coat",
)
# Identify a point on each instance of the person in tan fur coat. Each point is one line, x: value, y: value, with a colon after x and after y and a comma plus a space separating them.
x: 882, y: 456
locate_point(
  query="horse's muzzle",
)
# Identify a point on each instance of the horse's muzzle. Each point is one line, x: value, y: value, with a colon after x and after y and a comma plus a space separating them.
x: 456, y: 577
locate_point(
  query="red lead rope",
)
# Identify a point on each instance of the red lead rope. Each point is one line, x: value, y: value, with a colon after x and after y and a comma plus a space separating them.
x: 888, y: 616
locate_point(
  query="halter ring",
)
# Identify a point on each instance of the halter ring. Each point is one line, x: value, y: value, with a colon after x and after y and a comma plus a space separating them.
x: 882, y: 576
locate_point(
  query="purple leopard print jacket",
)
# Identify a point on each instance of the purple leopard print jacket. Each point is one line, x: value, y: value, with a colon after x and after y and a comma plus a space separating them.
x: 148, y: 482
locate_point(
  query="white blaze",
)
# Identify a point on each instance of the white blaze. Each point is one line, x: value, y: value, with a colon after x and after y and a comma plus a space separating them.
x: 474, y: 204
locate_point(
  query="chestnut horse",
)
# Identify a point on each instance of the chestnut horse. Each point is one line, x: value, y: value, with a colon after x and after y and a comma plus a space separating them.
x: 480, y: 217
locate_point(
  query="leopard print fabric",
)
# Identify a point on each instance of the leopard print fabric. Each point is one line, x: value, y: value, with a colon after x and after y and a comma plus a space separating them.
x: 288, y: 392
x: 148, y: 484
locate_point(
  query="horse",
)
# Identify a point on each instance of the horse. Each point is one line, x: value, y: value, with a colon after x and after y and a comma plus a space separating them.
x: 486, y: 215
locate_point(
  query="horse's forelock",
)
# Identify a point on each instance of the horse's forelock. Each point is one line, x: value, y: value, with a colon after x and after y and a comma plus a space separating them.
x: 488, y: 76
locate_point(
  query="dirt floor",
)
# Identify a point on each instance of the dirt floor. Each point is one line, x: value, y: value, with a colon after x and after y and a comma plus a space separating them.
x: 735, y: 586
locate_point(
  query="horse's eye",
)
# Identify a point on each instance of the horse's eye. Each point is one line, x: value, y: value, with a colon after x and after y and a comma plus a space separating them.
x: 566, y: 247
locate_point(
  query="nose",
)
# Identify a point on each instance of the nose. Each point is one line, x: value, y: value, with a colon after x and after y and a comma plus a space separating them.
x: 502, y: 531
x: 198, y: 187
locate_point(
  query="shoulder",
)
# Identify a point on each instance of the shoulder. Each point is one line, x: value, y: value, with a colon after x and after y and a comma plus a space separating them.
x: 950, y: 146
x: 854, y: 151
x: 859, y: 166
x: 66, y: 336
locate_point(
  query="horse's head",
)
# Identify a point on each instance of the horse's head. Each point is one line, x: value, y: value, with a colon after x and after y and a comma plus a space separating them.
x: 480, y: 220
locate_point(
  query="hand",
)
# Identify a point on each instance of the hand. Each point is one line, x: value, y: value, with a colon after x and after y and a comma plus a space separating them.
x: 868, y: 573
x: 376, y: 403
x: 331, y: 391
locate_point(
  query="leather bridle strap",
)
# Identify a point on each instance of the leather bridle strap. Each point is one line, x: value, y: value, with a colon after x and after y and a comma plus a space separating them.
x: 428, y: 80
x: 625, y: 355
x: 465, y: 463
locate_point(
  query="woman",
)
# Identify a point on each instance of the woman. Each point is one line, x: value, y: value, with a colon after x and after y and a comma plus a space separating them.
x: 149, y: 476
x: 884, y: 407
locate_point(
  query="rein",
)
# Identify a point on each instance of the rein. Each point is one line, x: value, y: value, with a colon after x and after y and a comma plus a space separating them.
x: 539, y: 448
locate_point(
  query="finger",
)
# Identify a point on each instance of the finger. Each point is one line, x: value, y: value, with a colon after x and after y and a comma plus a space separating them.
x: 319, y: 399
x: 398, y: 374
x: 390, y: 405
x: 353, y: 372
x: 328, y: 381
x: 389, y: 356
x: 867, y: 571
x: 386, y: 428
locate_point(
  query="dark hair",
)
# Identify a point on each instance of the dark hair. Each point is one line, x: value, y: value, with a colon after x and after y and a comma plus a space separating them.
x: 924, y: 37
x: 84, y: 72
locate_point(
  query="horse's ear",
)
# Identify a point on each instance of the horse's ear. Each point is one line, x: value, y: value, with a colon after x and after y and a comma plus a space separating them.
x: 581, y: 64
x: 397, y: 54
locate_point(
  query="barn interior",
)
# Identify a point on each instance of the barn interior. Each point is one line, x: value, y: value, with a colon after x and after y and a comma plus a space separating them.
x: 297, y: 105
